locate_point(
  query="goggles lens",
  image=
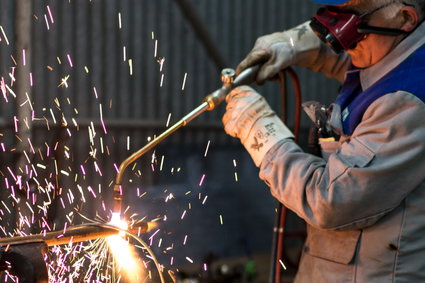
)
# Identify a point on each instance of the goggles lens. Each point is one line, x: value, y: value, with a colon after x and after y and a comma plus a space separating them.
x: 342, y: 29
x: 336, y: 28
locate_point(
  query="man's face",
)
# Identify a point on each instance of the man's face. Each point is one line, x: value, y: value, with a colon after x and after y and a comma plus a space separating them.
x: 375, y: 47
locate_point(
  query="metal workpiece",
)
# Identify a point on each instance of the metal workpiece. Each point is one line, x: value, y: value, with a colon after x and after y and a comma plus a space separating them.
x: 26, y: 261
x: 75, y: 234
x: 23, y: 256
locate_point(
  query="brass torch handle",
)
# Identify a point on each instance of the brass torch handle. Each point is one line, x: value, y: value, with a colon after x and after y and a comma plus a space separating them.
x: 116, y: 206
x: 210, y: 102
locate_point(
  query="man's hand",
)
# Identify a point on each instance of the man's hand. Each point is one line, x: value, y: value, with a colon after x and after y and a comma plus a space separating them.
x: 249, y: 117
x: 279, y: 50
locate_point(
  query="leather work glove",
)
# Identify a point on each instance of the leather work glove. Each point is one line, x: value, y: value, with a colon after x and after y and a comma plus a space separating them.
x: 298, y: 46
x: 249, y: 117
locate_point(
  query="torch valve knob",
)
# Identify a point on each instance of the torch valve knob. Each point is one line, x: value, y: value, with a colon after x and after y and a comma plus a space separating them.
x: 228, y: 76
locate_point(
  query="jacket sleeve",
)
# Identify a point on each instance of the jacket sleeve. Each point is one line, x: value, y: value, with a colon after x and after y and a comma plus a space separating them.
x: 317, y: 56
x: 369, y: 175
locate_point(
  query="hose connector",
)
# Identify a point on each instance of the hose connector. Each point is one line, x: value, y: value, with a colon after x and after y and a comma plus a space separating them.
x: 218, y: 96
x: 228, y: 76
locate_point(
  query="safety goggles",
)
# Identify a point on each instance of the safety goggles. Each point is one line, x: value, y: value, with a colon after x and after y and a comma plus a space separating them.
x: 342, y: 30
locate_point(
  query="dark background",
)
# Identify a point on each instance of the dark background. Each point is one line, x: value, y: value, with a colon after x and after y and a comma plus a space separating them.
x: 137, y: 106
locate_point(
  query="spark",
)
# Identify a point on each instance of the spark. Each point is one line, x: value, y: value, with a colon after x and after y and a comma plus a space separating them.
x: 206, y: 149
x: 205, y: 199
x: 11, y: 91
x: 156, y: 48
x: 47, y: 22
x: 116, y: 168
x: 221, y: 219
x: 82, y: 169
x: 189, y: 259
x: 119, y: 21
x: 4, y: 35
x: 162, y: 80
x: 24, y: 57
x: 15, y: 120
x: 153, y: 235
x: 202, y: 180
x: 283, y: 265
x: 168, y: 120
x: 50, y: 14
x: 69, y: 60
x: 162, y: 162
x: 130, y: 65
x: 184, y: 81
x: 184, y: 213
x: 64, y: 81
x: 41, y: 166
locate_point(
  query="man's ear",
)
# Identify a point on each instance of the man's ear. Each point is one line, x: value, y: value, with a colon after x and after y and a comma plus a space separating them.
x: 410, y: 18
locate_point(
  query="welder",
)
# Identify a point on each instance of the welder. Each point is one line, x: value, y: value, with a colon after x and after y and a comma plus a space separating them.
x: 363, y: 198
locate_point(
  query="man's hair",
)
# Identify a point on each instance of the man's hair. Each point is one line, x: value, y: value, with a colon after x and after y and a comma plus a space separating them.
x: 418, y: 4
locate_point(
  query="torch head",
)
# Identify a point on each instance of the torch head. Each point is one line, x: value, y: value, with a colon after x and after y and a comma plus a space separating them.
x: 116, y: 203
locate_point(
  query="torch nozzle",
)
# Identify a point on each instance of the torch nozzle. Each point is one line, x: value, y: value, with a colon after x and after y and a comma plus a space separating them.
x: 117, y: 199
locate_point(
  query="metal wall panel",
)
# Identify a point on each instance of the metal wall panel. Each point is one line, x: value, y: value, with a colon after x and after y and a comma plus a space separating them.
x: 89, y: 33
x: 80, y: 66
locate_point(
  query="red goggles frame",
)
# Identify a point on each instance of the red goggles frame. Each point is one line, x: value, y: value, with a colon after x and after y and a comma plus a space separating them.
x: 342, y: 30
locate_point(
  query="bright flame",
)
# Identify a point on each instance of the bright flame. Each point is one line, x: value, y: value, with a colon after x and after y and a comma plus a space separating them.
x: 124, y: 254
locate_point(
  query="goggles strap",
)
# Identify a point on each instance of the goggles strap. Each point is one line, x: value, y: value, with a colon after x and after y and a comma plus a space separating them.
x: 365, y: 28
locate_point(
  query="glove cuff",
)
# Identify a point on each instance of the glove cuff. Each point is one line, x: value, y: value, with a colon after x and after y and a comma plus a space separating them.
x: 265, y: 133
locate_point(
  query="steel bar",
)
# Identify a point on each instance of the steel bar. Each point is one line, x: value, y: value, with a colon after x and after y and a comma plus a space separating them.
x: 202, y: 33
x: 74, y: 234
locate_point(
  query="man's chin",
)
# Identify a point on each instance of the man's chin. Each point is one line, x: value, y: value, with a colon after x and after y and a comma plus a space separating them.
x: 358, y: 59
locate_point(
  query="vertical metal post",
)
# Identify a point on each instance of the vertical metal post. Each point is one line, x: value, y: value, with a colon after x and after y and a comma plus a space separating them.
x: 202, y: 33
x: 22, y: 50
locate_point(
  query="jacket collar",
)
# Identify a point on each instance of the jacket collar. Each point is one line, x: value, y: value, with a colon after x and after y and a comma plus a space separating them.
x: 409, y: 45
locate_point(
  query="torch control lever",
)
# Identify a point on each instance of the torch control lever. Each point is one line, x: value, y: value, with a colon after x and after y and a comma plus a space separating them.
x: 230, y: 81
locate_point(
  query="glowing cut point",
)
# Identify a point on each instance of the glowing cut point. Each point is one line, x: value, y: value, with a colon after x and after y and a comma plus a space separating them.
x: 126, y: 257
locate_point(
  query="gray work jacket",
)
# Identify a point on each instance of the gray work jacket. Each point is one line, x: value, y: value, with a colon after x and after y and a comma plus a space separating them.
x: 365, y: 203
